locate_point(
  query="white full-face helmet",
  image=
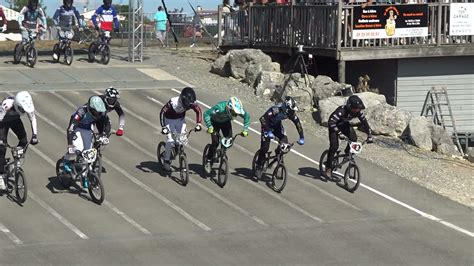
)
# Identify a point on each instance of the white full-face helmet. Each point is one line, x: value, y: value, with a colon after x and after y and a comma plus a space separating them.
x: 24, y: 102
x: 7, y: 104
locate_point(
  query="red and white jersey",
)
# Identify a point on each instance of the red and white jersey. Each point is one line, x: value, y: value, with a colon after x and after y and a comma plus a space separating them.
x: 107, y: 17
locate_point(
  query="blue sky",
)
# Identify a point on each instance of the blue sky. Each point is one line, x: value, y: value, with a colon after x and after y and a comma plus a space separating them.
x: 150, y: 5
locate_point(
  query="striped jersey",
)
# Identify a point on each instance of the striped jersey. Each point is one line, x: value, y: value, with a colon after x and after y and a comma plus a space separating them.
x: 107, y: 17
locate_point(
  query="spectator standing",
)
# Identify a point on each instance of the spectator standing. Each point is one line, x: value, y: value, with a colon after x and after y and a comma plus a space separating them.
x: 160, y: 24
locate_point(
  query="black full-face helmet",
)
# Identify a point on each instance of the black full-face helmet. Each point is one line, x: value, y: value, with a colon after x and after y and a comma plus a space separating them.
x: 187, y: 97
x: 33, y: 4
x: 354, y: 104
x: 107, y: 3
x: 68, y: 3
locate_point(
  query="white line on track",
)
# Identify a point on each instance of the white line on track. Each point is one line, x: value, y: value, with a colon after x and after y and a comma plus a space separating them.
x: 10, y: 235
x: 287, y: 202
x: 423, y: 214
x: 210, y: 191
x: 159, y: 196
x: 58, y: 216
x: 106, y: 203
x: 142, y: 185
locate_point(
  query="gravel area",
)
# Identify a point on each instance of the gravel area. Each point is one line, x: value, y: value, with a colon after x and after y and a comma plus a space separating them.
x: 452, y: 178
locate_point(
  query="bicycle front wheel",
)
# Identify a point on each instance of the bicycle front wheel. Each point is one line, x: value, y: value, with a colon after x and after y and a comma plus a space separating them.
x: 18, y: 53
x: 204, y: 156
x: 254, y: 163
x: 105, y: 55
x: 279, y: 178
x: 21, y: 189
x: 68, y: 55
x: 31, y: 56
x: 352, y: 177
x: 160, y: 152
x: 223, y: 171
x: 56, y: 52
x: 96, y: 189
x: 183, y: 169
x: 322, y: 163
x: 92, y: 51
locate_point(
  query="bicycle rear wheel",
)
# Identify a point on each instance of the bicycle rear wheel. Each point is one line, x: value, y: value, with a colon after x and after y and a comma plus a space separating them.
x: 183, y: 169
x: 63, y: 178
x: 21, y: 189
x: 31, y: 56
x: 223, y: 171
x: 97, y: 166
x: 96, y: 189
x: 352, y: 177
x: 279, y: 177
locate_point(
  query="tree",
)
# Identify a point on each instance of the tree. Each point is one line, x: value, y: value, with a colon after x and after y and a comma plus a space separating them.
x: 19, y: 4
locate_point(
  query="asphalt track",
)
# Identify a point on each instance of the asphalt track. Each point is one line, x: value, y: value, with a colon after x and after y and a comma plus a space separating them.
x: 148, y: 218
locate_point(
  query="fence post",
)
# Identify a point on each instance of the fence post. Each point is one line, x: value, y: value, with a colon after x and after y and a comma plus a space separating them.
x: 338, y: 28
x: 250, y: 26
x: 219, y: 25
x: 438, y: 26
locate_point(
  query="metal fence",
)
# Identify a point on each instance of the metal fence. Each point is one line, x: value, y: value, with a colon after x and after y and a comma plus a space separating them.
x: 324, y: 24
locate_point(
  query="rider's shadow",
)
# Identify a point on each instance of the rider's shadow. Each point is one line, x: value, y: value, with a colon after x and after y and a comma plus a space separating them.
x: 198, y: 169
x: 246, y: 173
x: 83, y: 60
x: 55, y: 187
x: 49, y: 61
x: 311, y: 172
x: 151, y: 167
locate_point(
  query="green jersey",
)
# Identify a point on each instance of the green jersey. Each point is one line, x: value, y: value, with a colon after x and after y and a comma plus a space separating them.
x: 218, y: 113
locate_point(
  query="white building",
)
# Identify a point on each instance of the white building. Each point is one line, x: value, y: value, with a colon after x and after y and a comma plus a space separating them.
x: 10, y: 13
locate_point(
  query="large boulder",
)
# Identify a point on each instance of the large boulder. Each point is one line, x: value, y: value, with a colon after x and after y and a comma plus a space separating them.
x: 371, y: 99
x: 470, y: 154
x: 324, y: 87
x: 240, y: 60
x: 385, y: 119
x: 442, y: 141
x: 253, y: 71
x: 267, y: 82
x: 420, y: 132
x: 327, y: 106
x: 221, y: 66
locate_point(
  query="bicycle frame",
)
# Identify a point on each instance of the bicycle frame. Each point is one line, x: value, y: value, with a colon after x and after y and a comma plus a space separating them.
x: 278, y: 158
x: 65, y: 38
x: 346, y: 159
x: 221, y: 151
x: 11, y: 167
x: 180, y: 140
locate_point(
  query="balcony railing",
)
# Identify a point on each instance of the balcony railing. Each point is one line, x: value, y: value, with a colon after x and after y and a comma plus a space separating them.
x: 324, y: 25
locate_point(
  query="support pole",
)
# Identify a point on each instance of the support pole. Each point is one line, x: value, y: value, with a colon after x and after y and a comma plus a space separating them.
x: 135, y: 28
x: 219, y: 25
x: 342, y: 71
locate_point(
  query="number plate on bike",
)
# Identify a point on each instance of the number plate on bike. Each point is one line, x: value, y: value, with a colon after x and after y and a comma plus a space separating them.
x: 89, y: 155
x: 355, y: 147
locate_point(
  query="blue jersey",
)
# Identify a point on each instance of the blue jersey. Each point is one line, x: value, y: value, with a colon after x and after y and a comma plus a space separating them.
x: 108, y: 18
x: 64, y: 17
x: 273, y: 117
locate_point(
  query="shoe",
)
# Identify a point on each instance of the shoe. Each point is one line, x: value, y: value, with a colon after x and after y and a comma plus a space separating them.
x: 85, y: 183
x: 207, y: 167
x: 328, y: 172
x: 67, y: 167
x: 167, y: 165
x: 55, y: 56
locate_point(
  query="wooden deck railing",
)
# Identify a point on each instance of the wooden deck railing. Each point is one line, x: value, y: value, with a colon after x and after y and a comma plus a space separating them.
x: 325, y: 26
